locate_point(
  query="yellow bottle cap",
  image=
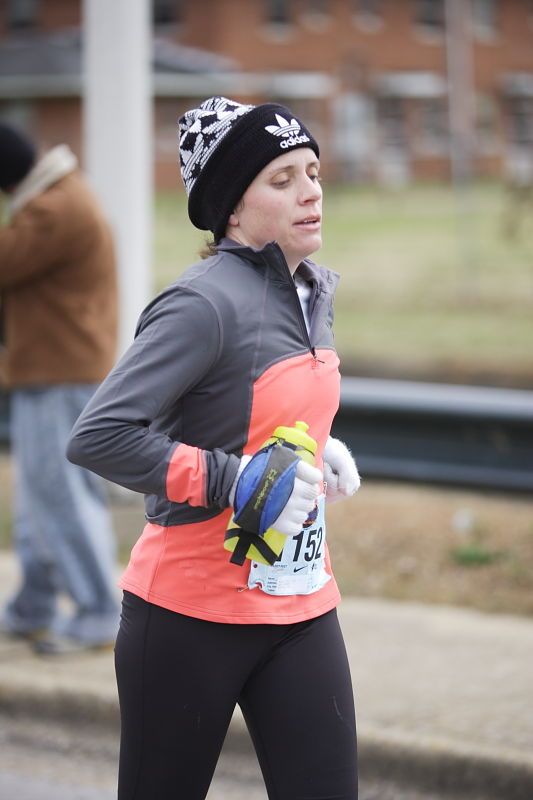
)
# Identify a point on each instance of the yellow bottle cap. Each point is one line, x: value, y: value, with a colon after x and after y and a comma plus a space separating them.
x: 297, y: 436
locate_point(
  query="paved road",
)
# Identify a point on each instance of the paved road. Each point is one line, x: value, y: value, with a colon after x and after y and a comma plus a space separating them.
x: 40, y: 761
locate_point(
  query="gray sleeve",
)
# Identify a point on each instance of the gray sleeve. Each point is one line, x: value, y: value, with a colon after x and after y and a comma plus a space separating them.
x: 178, y: 339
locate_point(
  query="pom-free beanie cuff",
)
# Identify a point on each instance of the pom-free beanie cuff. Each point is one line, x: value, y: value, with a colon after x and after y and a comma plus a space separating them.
x: 249, y: 138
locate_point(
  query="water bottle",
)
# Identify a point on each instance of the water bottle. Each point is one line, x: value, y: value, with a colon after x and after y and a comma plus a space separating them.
x: 296, y: 438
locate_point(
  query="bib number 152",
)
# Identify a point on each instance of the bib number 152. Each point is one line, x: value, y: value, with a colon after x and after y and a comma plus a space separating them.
x: 308, y: 544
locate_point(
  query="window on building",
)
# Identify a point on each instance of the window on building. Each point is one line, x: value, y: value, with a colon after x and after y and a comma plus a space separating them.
x: 278, y: 12
x: 486, y: 124
x: 429, y: 14
x: 521, y: 121
x: 21, y: 14
x: 166, y: 12
x: 432, y: 134
x: 368, y: 13
x: 316, y: 15
x: 371, y: 8
x: 318, y: 7
x: 19, y: 113
x: 392, y: 119
x: 485, y: 17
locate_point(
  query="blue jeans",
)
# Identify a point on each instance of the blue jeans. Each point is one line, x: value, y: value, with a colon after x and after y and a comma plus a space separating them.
x: 62, y: 527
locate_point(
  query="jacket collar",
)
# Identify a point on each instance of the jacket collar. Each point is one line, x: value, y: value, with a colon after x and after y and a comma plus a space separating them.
x: 271, y: 253
x: 53, y: 166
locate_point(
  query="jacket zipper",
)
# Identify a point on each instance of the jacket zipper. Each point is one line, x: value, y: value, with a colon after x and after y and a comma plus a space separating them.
x: 300, y: 314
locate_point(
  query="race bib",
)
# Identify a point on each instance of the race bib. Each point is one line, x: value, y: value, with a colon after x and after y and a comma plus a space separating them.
x: 301, y: 568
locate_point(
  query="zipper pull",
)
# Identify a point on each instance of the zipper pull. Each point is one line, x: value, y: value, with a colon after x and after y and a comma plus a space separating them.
x: 316, y: 360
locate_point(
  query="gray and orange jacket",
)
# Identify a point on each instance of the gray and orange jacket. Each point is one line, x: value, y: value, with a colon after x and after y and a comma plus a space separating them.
x: 220, y: 359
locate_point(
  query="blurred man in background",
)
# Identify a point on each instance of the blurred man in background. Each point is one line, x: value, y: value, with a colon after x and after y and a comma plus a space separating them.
x: 59, y: 307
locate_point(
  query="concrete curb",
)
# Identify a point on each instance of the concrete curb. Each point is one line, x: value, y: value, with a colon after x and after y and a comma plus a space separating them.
x: 428, y: 765
x: 431, y: 765
x: 61, y: 706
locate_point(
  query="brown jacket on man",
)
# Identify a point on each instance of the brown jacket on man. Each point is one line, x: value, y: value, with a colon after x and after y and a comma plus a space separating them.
x: 58, y: 289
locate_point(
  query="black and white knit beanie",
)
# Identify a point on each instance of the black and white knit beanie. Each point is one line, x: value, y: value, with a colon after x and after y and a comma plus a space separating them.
x: 223, y: 145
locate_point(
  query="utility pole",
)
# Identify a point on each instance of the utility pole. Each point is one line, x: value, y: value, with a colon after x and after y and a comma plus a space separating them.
x: 460, y: 89
x: 461, y: 104
x: 118, y: 138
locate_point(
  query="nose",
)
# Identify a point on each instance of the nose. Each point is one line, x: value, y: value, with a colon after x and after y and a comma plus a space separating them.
x: 311, y: 190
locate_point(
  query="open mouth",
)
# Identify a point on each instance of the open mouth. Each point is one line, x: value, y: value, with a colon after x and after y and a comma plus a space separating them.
x: 309, y: 221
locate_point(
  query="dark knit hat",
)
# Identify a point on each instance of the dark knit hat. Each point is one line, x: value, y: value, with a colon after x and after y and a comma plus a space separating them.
x: 17, y: 156
x: 223, y: 146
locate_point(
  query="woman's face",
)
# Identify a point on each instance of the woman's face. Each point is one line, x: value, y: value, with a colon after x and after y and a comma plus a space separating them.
x: 283, y: 204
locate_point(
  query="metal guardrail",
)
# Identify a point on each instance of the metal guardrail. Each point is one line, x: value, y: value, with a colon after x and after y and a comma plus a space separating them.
x: 439, y: 433
x: 431, y: 433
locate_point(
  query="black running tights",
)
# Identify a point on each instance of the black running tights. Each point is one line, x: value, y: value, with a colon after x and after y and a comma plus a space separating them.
x: 179, y: 679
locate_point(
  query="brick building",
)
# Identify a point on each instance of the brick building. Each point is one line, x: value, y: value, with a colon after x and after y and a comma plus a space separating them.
x: 376, y: 79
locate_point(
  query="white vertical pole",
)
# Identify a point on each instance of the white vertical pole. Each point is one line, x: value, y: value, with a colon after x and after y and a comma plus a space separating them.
x: 118, y: 138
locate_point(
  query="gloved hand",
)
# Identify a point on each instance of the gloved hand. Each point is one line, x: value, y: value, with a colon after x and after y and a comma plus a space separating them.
x: 293, y: 497
x: 307, y: 487
x: 340, y: 471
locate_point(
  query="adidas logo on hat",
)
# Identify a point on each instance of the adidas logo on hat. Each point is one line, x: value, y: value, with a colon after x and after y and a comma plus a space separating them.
x: 289, y: 131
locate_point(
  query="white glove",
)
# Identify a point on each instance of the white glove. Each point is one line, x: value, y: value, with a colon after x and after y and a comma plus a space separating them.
x: 340, y: 471
x: 307, y: 487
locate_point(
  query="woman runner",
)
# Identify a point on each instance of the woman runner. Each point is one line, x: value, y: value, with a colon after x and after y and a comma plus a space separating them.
x: 239, y: 345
